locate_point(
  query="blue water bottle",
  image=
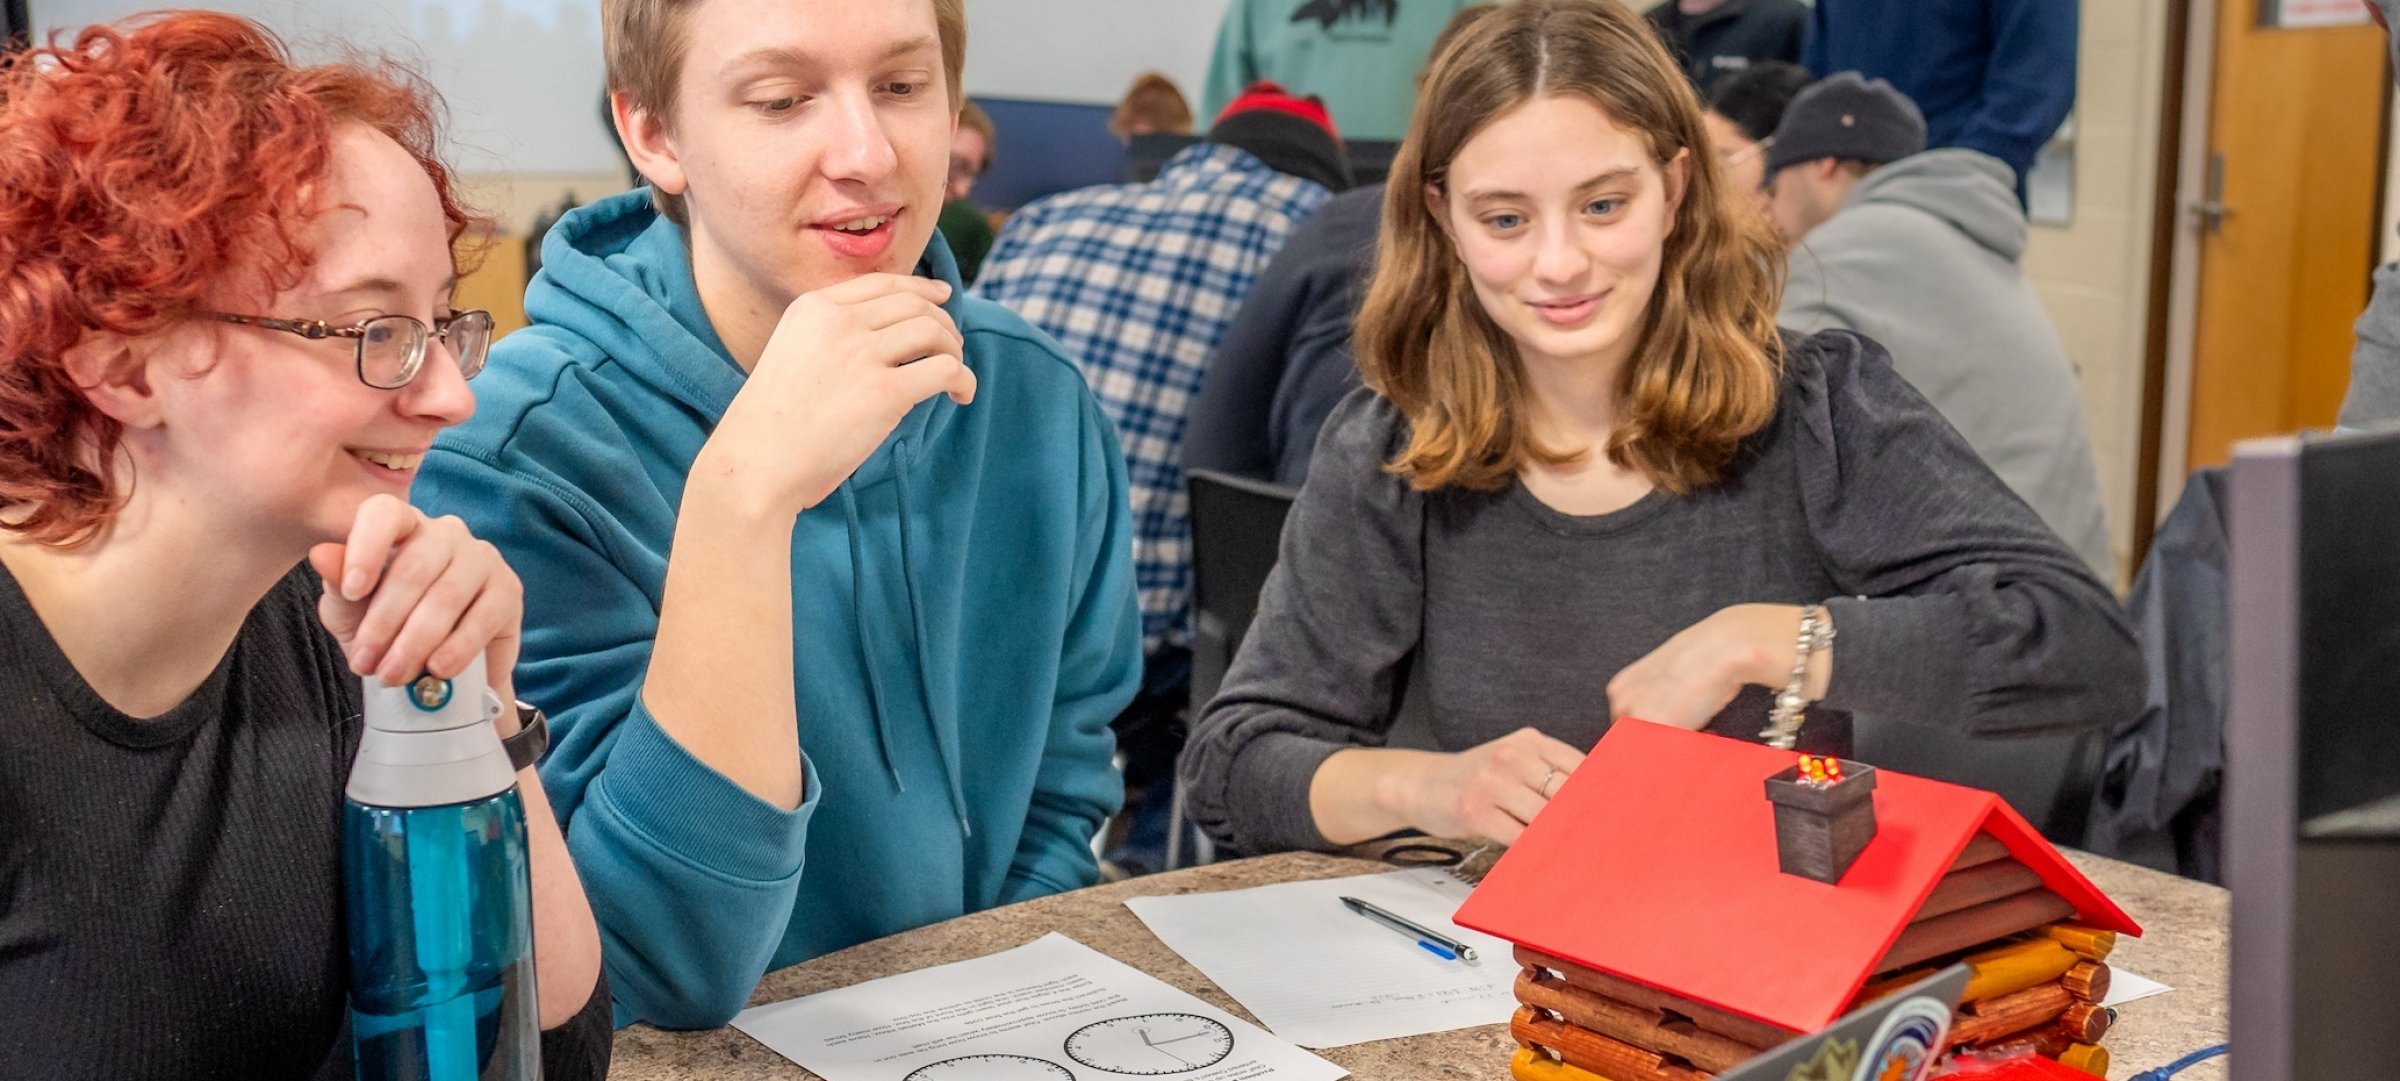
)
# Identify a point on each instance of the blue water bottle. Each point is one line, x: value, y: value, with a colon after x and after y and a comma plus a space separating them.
x: 439, y: 892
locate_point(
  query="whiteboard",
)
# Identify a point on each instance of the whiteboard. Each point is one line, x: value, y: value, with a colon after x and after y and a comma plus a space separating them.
x: 523, y: 78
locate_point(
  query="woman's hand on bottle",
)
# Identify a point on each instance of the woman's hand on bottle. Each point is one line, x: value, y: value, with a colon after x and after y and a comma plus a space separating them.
x: 1488, y: 791
x: 406, y: 593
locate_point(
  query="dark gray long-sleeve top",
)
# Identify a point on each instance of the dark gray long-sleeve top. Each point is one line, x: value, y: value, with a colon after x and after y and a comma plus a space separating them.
x: 1952, y: 602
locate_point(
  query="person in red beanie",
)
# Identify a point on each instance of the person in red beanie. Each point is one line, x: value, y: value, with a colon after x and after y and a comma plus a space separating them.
x: 1361, y: 56
x: 1138, y: 282
x: 1292, y: 135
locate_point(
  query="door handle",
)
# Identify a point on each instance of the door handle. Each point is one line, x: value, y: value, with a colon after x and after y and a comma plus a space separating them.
x: 2212, y: 208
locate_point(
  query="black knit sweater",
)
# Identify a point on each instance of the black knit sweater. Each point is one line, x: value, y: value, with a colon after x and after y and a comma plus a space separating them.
x: 170, y: 888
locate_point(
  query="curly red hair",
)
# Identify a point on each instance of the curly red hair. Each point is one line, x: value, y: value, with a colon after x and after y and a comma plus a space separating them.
x: 139, y: 167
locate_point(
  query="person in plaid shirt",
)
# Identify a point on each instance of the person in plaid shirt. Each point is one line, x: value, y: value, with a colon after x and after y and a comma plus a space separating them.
x: 1138, y: 281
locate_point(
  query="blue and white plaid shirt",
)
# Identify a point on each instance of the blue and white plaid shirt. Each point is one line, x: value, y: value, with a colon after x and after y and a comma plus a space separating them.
x: 1138, y: 282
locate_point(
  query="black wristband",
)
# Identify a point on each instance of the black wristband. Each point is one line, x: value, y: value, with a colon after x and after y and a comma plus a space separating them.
x: 532, y: 738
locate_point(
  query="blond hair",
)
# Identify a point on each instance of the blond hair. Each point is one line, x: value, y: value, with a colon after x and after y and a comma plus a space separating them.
x: 644, y: 41
x: 1153, y: 101
x: 1705, y: 371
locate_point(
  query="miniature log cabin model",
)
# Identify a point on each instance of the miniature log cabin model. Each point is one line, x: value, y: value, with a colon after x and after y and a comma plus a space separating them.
x: 1672, y: 924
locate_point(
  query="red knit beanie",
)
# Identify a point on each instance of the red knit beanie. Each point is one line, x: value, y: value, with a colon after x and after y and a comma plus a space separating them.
x: 1270, y: 95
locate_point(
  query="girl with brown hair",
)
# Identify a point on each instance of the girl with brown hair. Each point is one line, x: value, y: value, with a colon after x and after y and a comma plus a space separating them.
x: 1589, y: 479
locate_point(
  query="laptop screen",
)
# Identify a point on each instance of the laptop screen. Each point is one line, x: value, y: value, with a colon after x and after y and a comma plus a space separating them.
x: 1894, y: 1037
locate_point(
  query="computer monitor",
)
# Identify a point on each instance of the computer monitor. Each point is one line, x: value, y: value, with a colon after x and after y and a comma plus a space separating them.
x: 2313, y: 758
x: 1370, y: 160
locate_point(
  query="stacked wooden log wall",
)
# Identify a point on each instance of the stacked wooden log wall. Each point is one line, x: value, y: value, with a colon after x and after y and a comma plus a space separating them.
x: 2037, y: 986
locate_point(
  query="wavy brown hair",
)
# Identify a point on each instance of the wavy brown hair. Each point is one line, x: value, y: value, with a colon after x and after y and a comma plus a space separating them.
x: 1704, y: 374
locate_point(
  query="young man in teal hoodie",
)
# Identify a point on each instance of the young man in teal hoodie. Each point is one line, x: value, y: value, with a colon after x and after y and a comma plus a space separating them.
x: 829, y: 651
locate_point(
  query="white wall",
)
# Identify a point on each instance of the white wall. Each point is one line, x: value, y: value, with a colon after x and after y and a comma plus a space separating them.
x: 522, y: 78
x: 2391, y: 190
x: 1015, y: 48
x: 2094, y: 273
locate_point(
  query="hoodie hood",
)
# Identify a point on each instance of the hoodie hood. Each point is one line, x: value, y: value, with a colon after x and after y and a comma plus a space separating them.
x: 618, y: 274
x: 1975, y: 193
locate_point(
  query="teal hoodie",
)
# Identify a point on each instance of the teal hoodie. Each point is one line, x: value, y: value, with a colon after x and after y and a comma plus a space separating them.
x: 1360, y: 57
x: 963, y: 621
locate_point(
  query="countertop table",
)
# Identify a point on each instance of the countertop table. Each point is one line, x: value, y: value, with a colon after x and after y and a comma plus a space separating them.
x: 2183, y: 946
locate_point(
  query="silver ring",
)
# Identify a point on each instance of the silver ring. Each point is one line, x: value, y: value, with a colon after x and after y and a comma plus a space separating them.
x: 1544, y: 787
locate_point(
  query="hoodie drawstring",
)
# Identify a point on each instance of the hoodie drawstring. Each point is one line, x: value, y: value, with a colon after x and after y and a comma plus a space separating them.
x: 943, y: 734
x: 858, y: 613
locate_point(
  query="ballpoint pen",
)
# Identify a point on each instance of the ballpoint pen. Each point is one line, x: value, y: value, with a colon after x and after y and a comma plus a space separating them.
x: 1435, y: 943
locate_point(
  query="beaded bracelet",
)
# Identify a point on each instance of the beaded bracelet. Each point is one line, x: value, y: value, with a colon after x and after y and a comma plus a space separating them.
x: 1784, y: 720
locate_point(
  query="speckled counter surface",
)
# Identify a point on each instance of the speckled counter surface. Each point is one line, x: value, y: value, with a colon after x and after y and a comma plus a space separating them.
x: 2184, y: 947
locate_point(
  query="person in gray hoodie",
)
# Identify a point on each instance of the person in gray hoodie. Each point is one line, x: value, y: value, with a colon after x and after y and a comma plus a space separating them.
x: 1921, y: 251
x: 2374, y: 396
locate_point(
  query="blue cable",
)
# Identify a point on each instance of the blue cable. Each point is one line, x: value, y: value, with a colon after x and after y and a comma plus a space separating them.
x: 2179, y: 1065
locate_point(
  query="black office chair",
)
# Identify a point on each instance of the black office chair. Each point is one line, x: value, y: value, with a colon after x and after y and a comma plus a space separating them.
x: 1237, y: 525
x: 2049, y: 779
x: 1146, y: 154
x: 1370, y: 160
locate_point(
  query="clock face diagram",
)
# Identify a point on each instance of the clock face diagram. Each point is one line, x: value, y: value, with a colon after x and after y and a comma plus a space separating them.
x: 992, y: 1068
x: 1151, y: 1043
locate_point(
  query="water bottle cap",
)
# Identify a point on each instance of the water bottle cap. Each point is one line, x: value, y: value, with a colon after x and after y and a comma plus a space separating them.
x: 430, y: 743
x: 428, y: 703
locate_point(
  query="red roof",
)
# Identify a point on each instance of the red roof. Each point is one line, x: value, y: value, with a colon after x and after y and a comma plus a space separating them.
x: 1656, y: 862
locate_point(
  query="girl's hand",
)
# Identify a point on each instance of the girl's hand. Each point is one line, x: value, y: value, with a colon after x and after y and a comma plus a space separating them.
x: 1690, y: 679
x: 1488, y: 791
x: 407, y: 594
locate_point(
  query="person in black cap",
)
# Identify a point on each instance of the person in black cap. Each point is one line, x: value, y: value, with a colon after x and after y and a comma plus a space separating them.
x: 1832, y: 135
x: 1743, y: 110
x: 1921, y: 251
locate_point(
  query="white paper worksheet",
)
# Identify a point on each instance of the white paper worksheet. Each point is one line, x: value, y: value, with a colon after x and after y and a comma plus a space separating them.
x: 1320, y: 975
x: 1050, y: 1010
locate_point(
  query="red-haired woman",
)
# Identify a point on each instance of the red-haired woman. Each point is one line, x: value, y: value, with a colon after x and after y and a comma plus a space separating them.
x: 226, y: 335
x: 1590, y: 480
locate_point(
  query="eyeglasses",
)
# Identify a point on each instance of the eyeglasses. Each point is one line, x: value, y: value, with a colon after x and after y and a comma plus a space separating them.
x: 1731, y: 158
x: 391, y: 348
x: 1736, y: 157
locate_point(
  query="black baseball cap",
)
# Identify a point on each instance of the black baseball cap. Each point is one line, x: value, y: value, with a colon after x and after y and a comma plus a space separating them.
x: 1848, y: 117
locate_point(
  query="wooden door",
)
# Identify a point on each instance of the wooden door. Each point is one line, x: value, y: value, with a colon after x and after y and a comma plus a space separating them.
x: 2296, y: 146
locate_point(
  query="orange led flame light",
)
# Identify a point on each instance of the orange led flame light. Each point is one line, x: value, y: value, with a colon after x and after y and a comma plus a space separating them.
x: 1820, y: 769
